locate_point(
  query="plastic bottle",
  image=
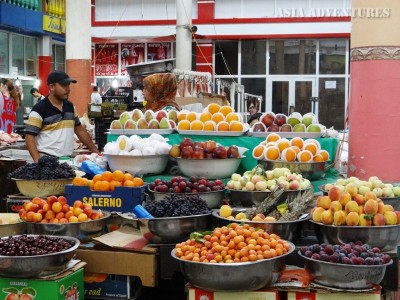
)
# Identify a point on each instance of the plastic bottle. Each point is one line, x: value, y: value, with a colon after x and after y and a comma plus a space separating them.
x: 141, y: 212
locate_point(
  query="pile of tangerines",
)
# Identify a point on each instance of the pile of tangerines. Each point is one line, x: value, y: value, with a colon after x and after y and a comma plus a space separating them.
x: 232, y: 244
x: 107, y: 181
x: 213, y: 118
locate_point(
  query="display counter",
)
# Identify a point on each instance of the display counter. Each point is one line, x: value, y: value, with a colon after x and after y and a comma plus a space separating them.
x: 249, y: 142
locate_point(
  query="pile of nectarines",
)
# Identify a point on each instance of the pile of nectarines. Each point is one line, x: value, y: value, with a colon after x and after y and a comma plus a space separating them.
x: 343, y: 208
x: 56, y: 210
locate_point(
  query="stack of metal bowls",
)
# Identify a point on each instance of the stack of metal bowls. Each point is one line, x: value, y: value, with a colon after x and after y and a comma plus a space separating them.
x: 36, y: 265
x: 255, y: 198
x: 287, y: 230
x: 385, y: 237
x: 311, y: 170
x: 344, y: 276
x: 208, y: 168
x: 42, y: 188
x: 243, y: 276
x: 173, y: 229
x: 214, y: 199
x: 84, y: 231
x: 16, y: 226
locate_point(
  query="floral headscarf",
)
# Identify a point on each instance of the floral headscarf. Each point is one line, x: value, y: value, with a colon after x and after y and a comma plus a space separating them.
x: 162, y: 87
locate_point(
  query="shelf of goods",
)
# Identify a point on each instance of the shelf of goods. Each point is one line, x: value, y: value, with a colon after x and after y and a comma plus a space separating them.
x: 249, y: 142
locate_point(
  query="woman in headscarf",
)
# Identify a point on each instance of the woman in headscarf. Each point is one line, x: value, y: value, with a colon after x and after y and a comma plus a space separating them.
x: 9, y: 102
x: 159, y: 91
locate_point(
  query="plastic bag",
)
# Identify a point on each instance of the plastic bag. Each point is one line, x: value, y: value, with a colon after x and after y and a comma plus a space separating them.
x: 91, y: 168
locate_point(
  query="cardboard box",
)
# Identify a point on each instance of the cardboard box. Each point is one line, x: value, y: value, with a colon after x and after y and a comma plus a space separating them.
x: 100, y: 286
x: 15, y: 202
x: 122, y: 199
x: 200, y: 294
x: 68, y: 285
x: 143, y: 265
x: 333, y: 296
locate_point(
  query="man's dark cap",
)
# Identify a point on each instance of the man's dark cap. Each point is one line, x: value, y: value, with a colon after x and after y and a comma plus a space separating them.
x: 59, y: 77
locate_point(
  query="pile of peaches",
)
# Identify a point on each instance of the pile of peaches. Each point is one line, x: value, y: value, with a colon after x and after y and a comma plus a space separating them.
x: 213, y: 118
x: 55, y: 209
x: 341, y: 208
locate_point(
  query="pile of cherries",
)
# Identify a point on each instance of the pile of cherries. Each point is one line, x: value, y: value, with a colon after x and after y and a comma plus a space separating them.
x: 349, y: 254
x: 28, y: 245
x: 180, y: 184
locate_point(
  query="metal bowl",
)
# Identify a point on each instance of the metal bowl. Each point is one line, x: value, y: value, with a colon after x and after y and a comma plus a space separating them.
x: 42, y: 188
x: 138, y: 165
x: 213, y: 199
x: 34, y: 266
x: 384, y: 237
x: 208, y: 168
x: 243, y: 276
x: 84, y: 231
x: 311, y: 170
x: 351, y: 277
x: 251, y: 198
x: 7, y: 229
x: 173, y: 230
x: 288, y: 230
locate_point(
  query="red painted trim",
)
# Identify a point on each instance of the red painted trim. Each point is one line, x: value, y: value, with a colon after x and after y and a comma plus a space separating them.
x: 278, y: 36
x: 45, y: 67
x: 206, y: 11
x: 221, y: 21
x: 169, y: 38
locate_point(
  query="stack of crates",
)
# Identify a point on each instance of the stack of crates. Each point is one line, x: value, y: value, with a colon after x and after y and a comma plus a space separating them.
x: 101, y: 125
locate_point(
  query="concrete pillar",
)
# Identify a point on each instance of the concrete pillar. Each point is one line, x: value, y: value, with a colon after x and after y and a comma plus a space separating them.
x: 374, y: 106
x: 78, y: 52
x: 184, y: 34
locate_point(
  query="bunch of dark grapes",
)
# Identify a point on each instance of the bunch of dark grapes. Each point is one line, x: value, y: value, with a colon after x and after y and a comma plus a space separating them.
x: 176, y: 205
x: 26, y: 245
x: 47, y: 168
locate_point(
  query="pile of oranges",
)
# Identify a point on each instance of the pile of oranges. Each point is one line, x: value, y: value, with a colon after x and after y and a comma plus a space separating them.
x: 233, y: 244
x: 295, y: 150
x: 107, y: 181
x: 213, y: 118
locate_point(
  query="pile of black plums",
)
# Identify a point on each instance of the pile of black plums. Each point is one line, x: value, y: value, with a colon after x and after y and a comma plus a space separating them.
x: 350, y: 254
x: 28, y: 245
x: 180, y: 184
x: 47, y: 168
x: 175, y: 205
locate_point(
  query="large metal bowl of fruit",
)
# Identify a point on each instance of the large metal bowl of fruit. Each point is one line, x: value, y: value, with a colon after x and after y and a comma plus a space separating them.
x: 26, y: 256
x: 84, y: 231
x: 42, y: 188
x: 210, y: 191
x: 285, y: 228
x: 353, y: 266
x: 171, y: 230
x: 240, y: 276
x: 385, y: 237
x: 208, y: 168
x: 310, y: 170
x: 138, y: 165
x: 10, y: 224
x: 251, y: 198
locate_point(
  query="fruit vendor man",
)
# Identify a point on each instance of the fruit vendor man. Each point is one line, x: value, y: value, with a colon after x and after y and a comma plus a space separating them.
x: 53, y: 121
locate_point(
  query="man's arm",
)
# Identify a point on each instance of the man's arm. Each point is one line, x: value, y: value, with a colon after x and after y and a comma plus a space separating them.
x: 30, y: 142
x: 85, y: 138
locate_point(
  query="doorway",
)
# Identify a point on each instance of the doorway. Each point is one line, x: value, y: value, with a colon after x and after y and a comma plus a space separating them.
x: 291, y: 94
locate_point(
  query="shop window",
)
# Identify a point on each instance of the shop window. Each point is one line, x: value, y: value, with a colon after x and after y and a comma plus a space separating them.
x: 292, y: 57
x: 332, y: 56
x: 226, y: 57
x: 332, y: 102
x: 253, y: 57
x: 17, y: 44
x: 59, y: 57
x: 30, y: 56
x: 4, y: 67
x: 255, y: 86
